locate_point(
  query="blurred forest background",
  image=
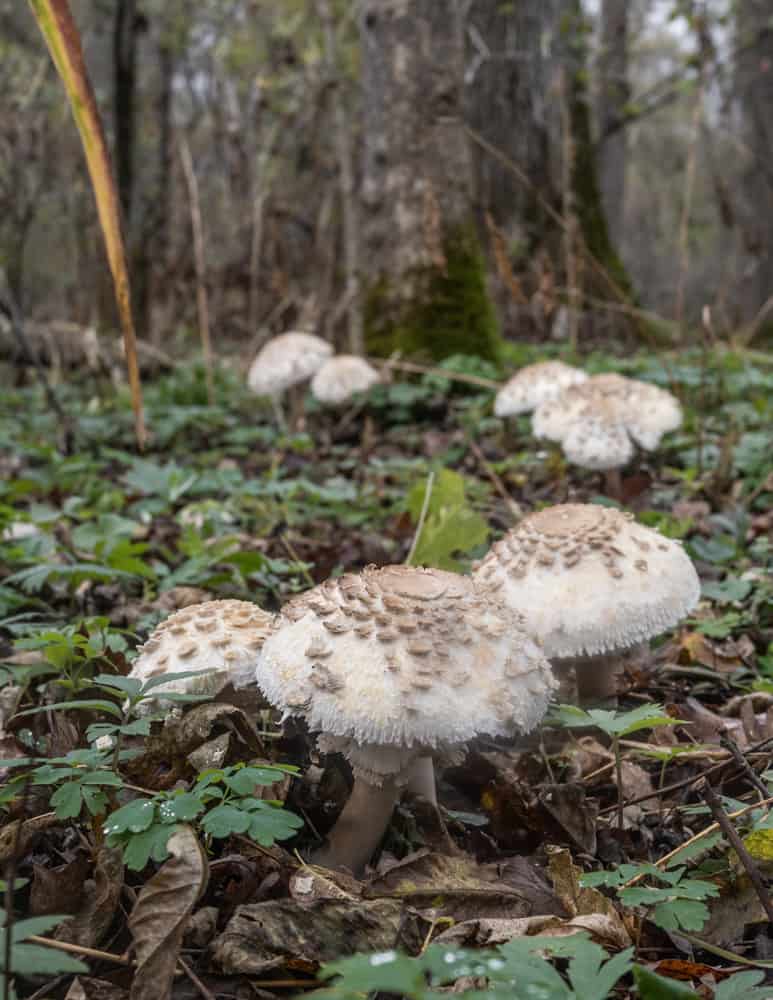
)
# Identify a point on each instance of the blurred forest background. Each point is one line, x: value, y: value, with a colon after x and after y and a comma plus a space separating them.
x: 593, y: 170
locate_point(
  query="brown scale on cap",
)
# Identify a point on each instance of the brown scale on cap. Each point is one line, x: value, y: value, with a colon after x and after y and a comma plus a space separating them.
x: 222, y: 636
x: 568, y: 532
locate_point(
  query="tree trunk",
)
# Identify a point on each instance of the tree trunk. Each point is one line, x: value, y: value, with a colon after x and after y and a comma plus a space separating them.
x: 124, y: 72
x: 506, y: 86
x: 425, y: 284
x: 754, y: 85
x: 614, y: 93
x: 571, y: 44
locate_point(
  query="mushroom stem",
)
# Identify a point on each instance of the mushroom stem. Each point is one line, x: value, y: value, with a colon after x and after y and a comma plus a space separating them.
x: 597, y: 680
x: 421, y: 779
x: 296, y: 394
x: 613, y: 484
x: 359, y: 829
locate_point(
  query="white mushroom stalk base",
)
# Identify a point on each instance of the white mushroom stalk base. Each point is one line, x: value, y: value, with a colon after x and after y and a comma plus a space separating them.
x: 360, y: 827
x: 421, y: 780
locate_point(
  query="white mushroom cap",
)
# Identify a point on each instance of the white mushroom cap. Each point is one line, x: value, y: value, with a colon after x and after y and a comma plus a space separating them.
x: 643, y: 411
x: 404, y: 659
x: 341, y: 377
x: 222, y: 636
x: 535, y: 384
x: 652, y: 412
x: 597, y: 443
x: 589, y: 579
x: 285, y: 361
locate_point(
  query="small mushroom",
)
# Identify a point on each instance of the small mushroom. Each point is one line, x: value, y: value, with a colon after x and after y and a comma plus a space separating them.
x: 612, y: 584
x: 535, y: 384
x: 598, y: 422
x: 224, y: 637
x: 341, y: 377
x: 284, y: 363
x: 391, y: 704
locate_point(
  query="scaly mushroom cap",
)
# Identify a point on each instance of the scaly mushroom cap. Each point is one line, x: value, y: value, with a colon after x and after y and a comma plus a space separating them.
x: 403, y: 659
x: 222, y: 636
x: 598, y: 440
x: 589, y: 579
x: 285, y: 361
x: 341, y: 377
x: 535, y: 384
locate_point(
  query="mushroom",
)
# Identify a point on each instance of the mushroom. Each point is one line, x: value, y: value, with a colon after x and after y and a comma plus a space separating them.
x: 341, y: 377
x: 223, y: 637
x: 591, y: 583
x: 535, y: 384
x: 598, y: 422
x: 283, y: 363
x: 390, y: 667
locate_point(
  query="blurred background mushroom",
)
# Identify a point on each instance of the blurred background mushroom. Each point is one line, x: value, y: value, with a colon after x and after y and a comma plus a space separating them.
x: 342, y: 377
x: 283, y: 365
x: 535, y: 384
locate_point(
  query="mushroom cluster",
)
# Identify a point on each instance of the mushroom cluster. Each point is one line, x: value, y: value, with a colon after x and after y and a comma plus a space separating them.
x: 291, y: 359
x: 591, y: 582
x: 395, y: 665
x: 598, y: 422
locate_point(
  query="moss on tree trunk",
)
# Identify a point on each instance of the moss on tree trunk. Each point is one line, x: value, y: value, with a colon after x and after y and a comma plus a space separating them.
x: 447, y: 312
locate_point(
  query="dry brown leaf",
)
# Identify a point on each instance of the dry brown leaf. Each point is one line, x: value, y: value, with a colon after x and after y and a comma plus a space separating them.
x: 574, y: 812
x: 582, y: 901
x: 85, y: 988
x: 159, y: 917
x: 607, y: 931
x: 58, y: 890
x: 92, y: 921
x: 282, y: 933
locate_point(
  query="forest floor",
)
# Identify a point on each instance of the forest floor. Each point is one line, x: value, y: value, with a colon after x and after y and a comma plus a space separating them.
x: 539, y: 887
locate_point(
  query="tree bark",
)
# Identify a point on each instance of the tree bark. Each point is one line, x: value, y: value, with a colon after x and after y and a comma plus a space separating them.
x: 124, y: 78
x: 425, y: 286
x: 754, y: 87
x: 506, y: 87
x: 614, y: 93
x: 571, y: 48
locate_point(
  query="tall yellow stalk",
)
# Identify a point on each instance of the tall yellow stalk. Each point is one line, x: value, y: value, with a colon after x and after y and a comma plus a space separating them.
x: 58, y: 27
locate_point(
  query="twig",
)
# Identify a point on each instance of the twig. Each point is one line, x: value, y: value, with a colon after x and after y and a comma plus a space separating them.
x: 422, y: 518
x: 685, y: 782
x: 496, y: 482
x: 202, y: 303
x: 730, y: 956
x: 77, y: 949
x: 712, y: 800
x: 729, y: 743
x: 712, y: 828
x: 206, y: 993
x: 411, y: 366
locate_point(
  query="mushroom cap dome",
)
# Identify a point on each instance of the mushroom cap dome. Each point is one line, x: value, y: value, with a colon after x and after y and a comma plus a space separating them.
x: 341, y: 377
x: 589, y: 579
x: 222, y: 636
x: 534, y: 384
x: 598, y: 440
x: 285, y: 361
x: 404, y: 657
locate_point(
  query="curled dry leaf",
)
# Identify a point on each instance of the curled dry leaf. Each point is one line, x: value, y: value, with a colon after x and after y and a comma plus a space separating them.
x: 588, y: 908
x: 85, y: 988
x: 58, y: 890
x: 159, y: 918
x: 92, y: 921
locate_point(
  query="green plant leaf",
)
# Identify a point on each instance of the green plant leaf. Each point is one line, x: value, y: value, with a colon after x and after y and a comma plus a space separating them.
x: 67, y: 800
x: 743, y: 986
x: 132, y: 818
x: 224, y: 820
x: 651, y: 986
